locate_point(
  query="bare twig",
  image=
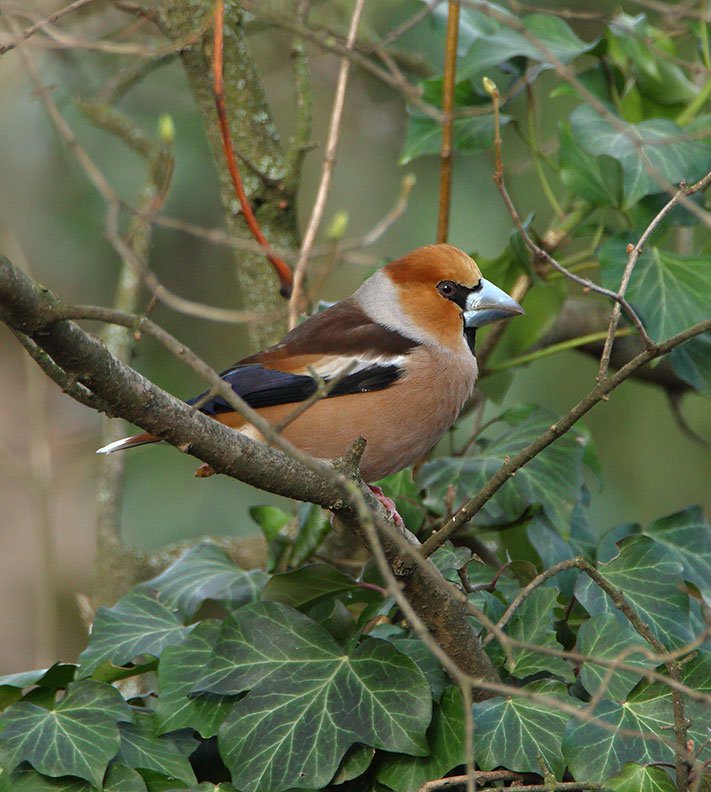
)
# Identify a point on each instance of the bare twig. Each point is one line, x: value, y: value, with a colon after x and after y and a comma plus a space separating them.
x: 446, y: 150
x: 280, y: 267
x: 295, y: 304
x: 30, y: 31
x: 633, y: 254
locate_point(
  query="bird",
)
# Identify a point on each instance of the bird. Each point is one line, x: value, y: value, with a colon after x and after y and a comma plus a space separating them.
x: 396, y: 361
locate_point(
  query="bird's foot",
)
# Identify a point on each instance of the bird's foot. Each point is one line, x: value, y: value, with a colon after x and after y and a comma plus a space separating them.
x: 388, y: 504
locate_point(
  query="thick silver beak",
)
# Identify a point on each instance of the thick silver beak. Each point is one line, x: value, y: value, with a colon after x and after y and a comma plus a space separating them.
x: 488, y: 304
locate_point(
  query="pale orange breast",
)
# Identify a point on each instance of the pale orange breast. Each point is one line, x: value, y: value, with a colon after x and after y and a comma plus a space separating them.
x: 400, y: 423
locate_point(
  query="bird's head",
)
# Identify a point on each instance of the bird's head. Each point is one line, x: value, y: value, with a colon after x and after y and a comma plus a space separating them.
x: 441, y: 292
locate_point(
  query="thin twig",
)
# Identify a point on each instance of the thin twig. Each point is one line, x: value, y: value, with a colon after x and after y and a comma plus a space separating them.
x: 30, y: 31
x: 295, y: 303
x: 540, y: 254
x: 446, y: 150
x: 633, y: 254
x: 280, y: 267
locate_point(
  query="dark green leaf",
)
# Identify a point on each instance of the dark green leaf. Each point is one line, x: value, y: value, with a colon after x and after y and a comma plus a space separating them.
x: 181, y: 669
x: 597, y: 179
x: 308, y: 585
x: 141, y: 748
x: 57, y: 676
x: 496, y: 42
x: 205, y: 572
x: 28, y: 780
x: 552, y: 549
x: 514, y: 732
x: 651, y: 153
x: 424, y: 135
x: 136, y: 625
x: 120, y: 778
x: 355, y: 763
x: 686, y: 536
x: 430, y: 666
x: 532, y: 623
x: 552, y: 479
x: 270, y: 519
x: 669, y: 291
x: 636, y: 778
x: 77, y: 738
x: 402, y: 489
x: 649, y: 578
x: 604, y: 637
x: 314, y: 525
x: 692, y: 362
x: 309, y: 702
x: 446, y: 740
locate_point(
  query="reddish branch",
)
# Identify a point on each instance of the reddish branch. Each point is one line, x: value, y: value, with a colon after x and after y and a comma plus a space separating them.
x: 280, y: 266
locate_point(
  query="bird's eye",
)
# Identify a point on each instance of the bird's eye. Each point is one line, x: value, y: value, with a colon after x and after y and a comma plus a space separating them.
x: 446, y: 288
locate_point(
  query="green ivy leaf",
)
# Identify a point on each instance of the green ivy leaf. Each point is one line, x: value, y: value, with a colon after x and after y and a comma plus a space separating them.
x: 597, y: 753
x: 356, y: 761
x: 204, y: 572
x: 686, y: 536
x: 692, y: 362
x: 309, y: 702
x: 649, y: 151
x: 636, y: 778
x: 430, y: 666
x: 446, y: 740
x: 552, y: 479
x: 649, y: 579
x: 532, y: 623
x: 402, y: 489
x: 28, y: 780
x: 667, y: 289
x: 308, y: 585
x: 180, y: 671
x: 598, y: 179
x: 120, y: 778
x: 513, y: 732
x: 78, y: 737
x: 141, y: 748
x: 56, y: 677
x: 605, y: 638
x: 136, y: 625
x: 493, y: 42
x: 314, y: 525
x: 424, y: 135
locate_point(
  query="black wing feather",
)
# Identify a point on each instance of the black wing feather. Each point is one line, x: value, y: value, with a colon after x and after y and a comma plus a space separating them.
x: 264, y: 387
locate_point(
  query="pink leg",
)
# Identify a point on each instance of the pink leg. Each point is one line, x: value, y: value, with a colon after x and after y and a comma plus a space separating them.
x: 388, y: 505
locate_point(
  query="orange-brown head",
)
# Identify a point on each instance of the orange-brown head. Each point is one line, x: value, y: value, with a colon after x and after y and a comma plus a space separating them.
x: 433, y: 294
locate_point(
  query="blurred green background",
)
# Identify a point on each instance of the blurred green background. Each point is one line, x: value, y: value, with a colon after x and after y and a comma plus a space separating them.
x: 51, y: 220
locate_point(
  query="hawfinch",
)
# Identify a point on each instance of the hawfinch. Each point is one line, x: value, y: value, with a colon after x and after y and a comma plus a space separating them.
x: 401, y: 353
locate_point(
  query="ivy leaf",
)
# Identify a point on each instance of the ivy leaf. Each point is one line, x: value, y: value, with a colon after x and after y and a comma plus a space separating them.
x: 26, y: 779
x: 597, y: 753
x: 424, y: 135
x: 142, y: 749
x: 598, y: 179
x: 309, y: 702
x: 552, y: 549
x: 136, y: 625
x: 604, y: 637
x: 692, y: 362
x: 120, y: 778
x: 402, y: 489
x: 308, y: 585
x: 650, y: 153
x: 552, y: 479
x: 180, y: 671
x: 205, y: 572
x: 78, y: 737
x: 446, y: 740
x: 687, y: 538
x: 56, y: 677
x: 314, y: 525
x: 494, y: 42
x: 636, y: 778
x: 532, y: 623
x: 356, y: 761
x: 513, y: 732
x: 667, y: 289
x: 649, y: 579
x: 430, y: 666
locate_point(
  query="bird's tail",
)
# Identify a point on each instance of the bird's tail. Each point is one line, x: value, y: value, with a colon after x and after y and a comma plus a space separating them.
x: 128, y: 442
